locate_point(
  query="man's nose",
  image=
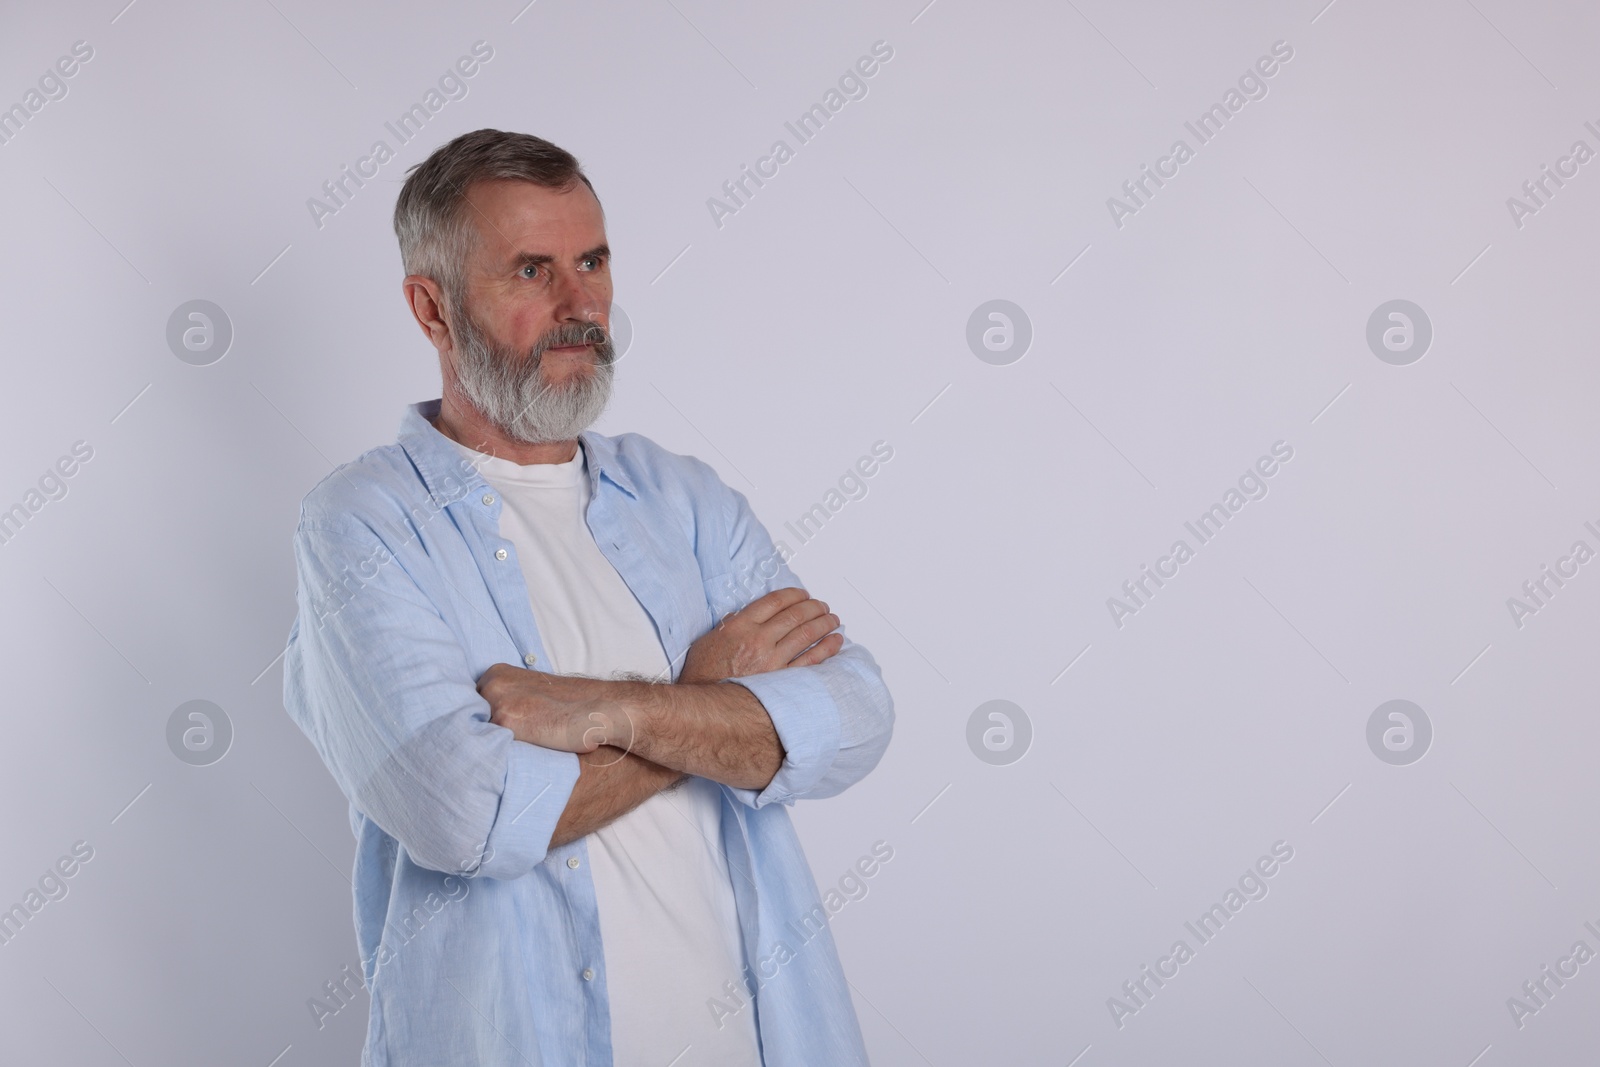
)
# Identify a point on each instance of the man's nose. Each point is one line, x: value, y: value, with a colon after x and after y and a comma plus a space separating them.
x: 578, y: 300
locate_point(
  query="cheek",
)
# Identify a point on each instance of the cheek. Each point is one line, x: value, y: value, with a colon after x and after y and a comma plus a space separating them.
x: 527, y: 324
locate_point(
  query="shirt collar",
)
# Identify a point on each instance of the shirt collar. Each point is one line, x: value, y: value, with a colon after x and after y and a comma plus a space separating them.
x: 448, y: 476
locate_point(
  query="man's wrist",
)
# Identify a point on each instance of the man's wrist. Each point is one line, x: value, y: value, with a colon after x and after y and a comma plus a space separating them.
x: 638, y: 709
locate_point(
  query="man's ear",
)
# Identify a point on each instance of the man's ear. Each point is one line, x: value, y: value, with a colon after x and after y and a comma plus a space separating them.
x: 426, y: 301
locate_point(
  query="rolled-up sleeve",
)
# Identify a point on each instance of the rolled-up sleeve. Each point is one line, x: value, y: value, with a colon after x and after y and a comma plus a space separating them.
x: 382, y: 687
x: 834, y: 719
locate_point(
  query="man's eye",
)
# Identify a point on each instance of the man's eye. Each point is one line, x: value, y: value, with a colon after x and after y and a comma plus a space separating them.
x: 533, y: 267
x: 594, y: 262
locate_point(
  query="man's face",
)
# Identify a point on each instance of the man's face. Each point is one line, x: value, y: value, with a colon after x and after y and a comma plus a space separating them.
x: 532, y: 347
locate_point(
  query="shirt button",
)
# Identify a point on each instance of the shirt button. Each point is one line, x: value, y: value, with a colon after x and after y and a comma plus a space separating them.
x: 530, y: 659
x: 572, y: 861
x: 499, y: 553
x: 588, y: 974
x: 488, y: 498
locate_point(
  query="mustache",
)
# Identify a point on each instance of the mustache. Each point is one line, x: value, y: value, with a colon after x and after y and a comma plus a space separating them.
x: 572, y: 333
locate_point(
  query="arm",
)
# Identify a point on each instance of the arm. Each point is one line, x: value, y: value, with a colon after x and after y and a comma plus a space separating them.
x: 829, y: 711
x: 715, y: 731
x: 831, y: 714
x: 833, y: 718
x: 720, y: 732
x: 382, y: 687
x: 610, y: 784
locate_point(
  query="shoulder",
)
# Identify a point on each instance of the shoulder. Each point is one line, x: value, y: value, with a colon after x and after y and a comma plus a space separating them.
x: 376, y: 490
x: 655, y: 470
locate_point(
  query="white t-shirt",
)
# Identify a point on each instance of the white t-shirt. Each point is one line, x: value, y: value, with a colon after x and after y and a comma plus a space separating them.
x: 667, y: 914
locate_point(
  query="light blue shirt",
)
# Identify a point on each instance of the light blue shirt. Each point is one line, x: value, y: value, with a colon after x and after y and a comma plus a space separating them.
x: 480, y: 943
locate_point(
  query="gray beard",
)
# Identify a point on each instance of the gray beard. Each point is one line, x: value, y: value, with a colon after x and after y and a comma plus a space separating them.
x: 508, y: 389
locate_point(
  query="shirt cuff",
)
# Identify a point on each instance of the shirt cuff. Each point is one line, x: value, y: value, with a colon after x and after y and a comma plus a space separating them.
x: 539, y: 782
x: 807, y: 721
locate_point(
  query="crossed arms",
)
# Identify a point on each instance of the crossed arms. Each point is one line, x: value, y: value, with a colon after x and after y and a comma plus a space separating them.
x: 380, y: 676
x: 634, y: 739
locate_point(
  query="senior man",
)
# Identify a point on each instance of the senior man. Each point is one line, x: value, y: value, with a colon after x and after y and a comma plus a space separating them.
x: 567, y: 683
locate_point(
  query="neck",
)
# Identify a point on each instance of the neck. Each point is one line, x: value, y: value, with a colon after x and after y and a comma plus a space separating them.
x: 462, y: 422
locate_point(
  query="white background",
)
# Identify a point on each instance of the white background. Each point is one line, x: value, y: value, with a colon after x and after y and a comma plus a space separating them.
x: 829, y: 313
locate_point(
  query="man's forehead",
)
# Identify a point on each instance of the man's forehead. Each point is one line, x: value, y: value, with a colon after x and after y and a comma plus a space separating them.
x: 517, y: 218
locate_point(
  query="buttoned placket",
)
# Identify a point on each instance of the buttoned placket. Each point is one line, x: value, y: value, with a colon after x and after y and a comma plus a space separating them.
x: 509, y: 591
x: 490, y: 503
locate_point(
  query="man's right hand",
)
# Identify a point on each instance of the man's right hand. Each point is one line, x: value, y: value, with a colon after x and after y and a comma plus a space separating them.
x: 785, y: 628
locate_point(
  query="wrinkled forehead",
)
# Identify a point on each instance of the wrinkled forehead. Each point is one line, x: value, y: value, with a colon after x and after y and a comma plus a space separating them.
x: 516, y: 222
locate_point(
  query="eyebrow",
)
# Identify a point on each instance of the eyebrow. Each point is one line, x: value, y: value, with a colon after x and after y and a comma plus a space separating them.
x: 539, y: 259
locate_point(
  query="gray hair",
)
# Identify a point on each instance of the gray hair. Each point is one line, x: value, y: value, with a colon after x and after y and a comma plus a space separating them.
x: 431, y: 214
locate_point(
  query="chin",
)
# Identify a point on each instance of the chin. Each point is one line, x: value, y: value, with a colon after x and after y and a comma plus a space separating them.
x: 586, y: 371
